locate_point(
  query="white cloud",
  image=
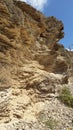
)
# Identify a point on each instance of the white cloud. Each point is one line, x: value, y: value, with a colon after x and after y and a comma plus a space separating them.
x: 38, y: 4
x: 69, y: 49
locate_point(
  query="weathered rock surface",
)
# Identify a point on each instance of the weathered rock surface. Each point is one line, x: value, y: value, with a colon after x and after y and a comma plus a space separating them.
x: 33, y: 69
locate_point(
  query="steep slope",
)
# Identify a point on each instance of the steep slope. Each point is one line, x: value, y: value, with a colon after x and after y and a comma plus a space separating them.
x: 33, y: 69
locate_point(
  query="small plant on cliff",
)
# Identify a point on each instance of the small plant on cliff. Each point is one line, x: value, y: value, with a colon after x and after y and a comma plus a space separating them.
x: 66, y: 97
x: 51, y: 123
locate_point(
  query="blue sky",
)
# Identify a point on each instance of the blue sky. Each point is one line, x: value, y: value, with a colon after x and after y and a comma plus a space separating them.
x: 62, y: 10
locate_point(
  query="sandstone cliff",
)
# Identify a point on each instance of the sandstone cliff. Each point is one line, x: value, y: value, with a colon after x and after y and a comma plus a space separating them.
x: 34, y: 67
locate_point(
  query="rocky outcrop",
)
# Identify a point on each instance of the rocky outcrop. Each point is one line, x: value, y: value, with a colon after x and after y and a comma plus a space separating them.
x: 50, y: 28
x: 23, y: 35
x: 33, y: 69
x: 17, y: 15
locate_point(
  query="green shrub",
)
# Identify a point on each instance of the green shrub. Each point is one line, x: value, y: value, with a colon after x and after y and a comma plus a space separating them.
x: 51, y: 123
x: 66, y: 97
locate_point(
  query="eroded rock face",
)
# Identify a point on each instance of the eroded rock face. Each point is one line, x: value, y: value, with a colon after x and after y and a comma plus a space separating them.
x: 24, y: 34
x: 18, y: 27
x: 4, y: 104
x: 31, y: 71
